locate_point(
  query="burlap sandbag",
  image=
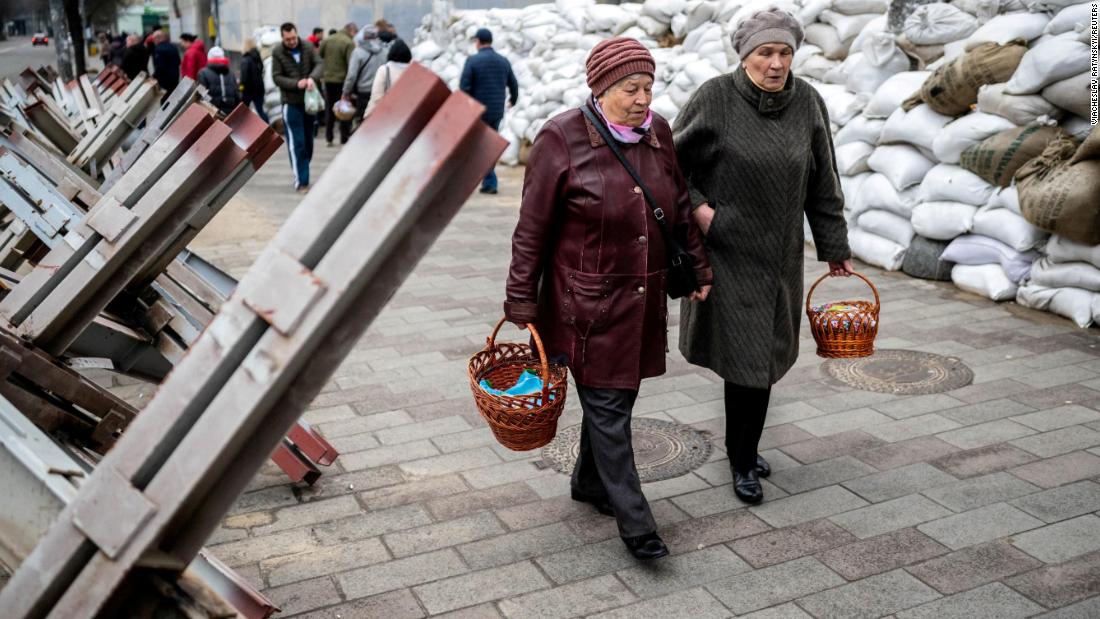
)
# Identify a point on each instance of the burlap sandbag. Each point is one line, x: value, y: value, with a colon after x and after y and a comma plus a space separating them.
x: 953, y: 88
x: 997, y: 158
x: 1060, y: 189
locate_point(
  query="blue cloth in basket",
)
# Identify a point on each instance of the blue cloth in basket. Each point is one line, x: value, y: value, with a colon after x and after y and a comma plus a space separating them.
x: 528, y: 383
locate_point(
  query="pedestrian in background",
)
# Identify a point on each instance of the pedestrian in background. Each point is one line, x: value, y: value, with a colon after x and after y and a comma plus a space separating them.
x: 336, y: 51
x: 397, y: 60
x: 252, y: 78
x: 219, y: 82
x: 316, y: 37
x: 365, y: 60
x: 150, y: 41
x: 387, y: 32
x: 135, y: 58
x: 484, y: 78
x: 194, y: 56
x: 166, y: 62
x: 295, y: 67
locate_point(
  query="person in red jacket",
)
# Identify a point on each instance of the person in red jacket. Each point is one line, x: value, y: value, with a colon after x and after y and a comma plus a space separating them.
x: 194, y: 58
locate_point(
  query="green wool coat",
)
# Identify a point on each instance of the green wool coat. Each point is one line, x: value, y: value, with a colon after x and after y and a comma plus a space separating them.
x: 760, y: 160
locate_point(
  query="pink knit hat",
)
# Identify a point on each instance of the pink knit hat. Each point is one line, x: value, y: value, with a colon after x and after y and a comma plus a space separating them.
x: 614, y: 59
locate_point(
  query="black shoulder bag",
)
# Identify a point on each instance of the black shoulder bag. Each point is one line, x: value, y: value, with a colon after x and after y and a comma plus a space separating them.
x: 681, y: 265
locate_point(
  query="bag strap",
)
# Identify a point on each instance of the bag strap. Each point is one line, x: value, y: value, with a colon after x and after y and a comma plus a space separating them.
x: 658, y: 212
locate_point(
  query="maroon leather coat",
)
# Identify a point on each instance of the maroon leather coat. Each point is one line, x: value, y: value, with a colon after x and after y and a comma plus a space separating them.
x: 588, y: 259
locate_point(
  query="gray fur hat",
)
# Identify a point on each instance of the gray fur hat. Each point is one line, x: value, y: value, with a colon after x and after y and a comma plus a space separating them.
x: 770, y: 26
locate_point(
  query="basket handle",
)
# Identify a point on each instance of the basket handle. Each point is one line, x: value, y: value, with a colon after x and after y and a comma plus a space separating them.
x: 538, y: 346
x: 822, y: 278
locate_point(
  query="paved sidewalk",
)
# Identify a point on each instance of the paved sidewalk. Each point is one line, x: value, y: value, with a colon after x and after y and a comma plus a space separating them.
x: 978, y: 502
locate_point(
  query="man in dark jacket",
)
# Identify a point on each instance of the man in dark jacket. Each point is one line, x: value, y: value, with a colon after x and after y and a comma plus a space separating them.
x: 219, y: 82
x: 295, y: 66
x: 166, y: 63
x: 252, y: 79
x: 336, y: 53
x: 135, y: 59
x: 484, y: 78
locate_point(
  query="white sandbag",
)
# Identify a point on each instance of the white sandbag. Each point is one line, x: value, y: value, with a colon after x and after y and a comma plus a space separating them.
x: 852, y: 158
x: 1009, y: 228
x: 988, y: 8
x: 878, y: 192
x: 663, y: 10
x: 1052, y: 274
x: 918, y: 126
x: 811, y: 10
x: 700, y: 72
x: 951, y: 183
x: 850, y: 187
x: 510, y: 156
x: 1046, y: 63
x: 965, y: 132
x: 1061, y: 249
x: 842, y: 105
x: 902, y: 164
x: 880, y: 59
x: 938, y: 23
x: 604, y: 17
x: 859, y: 7
x: 861, y: 129
x: 801, y: 55
x: 652, y: 27
x: 817, y: 67
x: 825, y: 37
x: 664, y: 106
x: 1019, y: 109
x: 875, y: 250
x: 847, y: 26
x: 1049, y: 6
x: 1076, y: 126
x: 1071, y: 94
x: 699, y: 14
x: 1069, y: 18
x: 893, y: 91
x: 877, y: 25
x: 943, y: 221
x: 987, y: 280
x: 426, y: 51
x: 1004, y: 28
x: 887, y: 225
x: 1006, y: 198
x: 1075, y: 304
x: 975, y: 249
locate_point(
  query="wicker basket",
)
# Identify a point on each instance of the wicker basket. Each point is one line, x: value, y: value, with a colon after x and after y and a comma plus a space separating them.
x: 845, y: 334
x: 526, y: 422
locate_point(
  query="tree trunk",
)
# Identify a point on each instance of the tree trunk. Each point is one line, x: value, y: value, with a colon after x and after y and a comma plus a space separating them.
x: 76, y: 31
x: 61, y: 40
x: 3, y: 24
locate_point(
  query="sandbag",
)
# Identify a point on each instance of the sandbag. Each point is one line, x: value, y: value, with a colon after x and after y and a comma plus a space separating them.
x: 923, y: 54
x: 1020, y: 109
x: 887, y: 225
x: 859, y: 7
x: 817, y: 67
x: 1060, y: 190
x: 951, y: 183
x: 852, y: 158
x: 860, y: 129
x: 989, y: 8
x: 878, y: 60
x: 975, y: 249
x: 923, y: 260
x: 997, y: 158
x: 902, y: 164
x: 1005, y: 198
x: 1061, y: 249
x: 847, y: 26
x: 1052, y: 274
x: 826, y: 37
x: 850, y: 186
x: 878, y: 192
x: 875, y: 26
x: 1076, y: 127
x: 1046, y: 63
x: 1009, y: 228
x: 938, y: 23
x: 953, y: 88
x: 965, y: 132
x: 1069, y: 18
x: 1049, y: 6
x: 1004, y: 28
x: 987, y: 280
x: 1075, y: 304
x: 1071, y: 94
x: 917, y: 126
x: 875, y: 250
x: 943, y: 221
x: 893, y: 92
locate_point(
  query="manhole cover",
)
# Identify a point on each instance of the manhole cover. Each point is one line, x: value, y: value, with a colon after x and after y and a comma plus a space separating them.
x: 902, y: 372
x: 662, y: 449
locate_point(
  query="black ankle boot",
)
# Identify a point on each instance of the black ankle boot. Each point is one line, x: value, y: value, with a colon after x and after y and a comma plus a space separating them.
x: 646, y: 547
x: 763, y: 469
x: 747, y: 487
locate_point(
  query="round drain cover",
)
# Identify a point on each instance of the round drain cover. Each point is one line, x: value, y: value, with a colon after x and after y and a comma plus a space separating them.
x: 901, y: 372
x: 662, y: 449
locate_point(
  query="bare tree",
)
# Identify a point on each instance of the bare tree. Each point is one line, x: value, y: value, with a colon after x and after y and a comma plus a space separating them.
x: 62, y: 42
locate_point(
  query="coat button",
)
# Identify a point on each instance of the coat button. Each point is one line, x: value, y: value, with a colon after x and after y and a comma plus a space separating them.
x: 637, y: 189
x: 770, y: 100
x: 641, y: 240
x: 641, y: 289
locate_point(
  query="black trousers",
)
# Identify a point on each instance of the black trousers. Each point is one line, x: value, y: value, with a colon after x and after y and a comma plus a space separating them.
x: 333, y: 91
x: 746, y: 409
x: 605, y: 466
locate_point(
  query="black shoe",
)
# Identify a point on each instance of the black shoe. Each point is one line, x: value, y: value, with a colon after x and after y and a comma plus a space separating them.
x: 646, y: 547
x: 600, y: 504
x: 489, y: 190
x: 747, y: 487
x: 763, y: 469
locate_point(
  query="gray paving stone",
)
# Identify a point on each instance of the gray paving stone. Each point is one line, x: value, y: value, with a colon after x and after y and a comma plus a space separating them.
x: 790, y: 413
x: 393, y: 605
x: 819, y: 475
x: 422, y: 430
x: 915, y: 406
x: 782, y: 545
x: 586, y: 561
x: 778, y: 436
x: 481, y: 611
x: 985, y: 434
x: 412, y: 492
x: 904, y: 453
x: 712, y: 501
x: 515, y: 547
x: 1063, y: 502
x: 975, y: 492
x: 371, y: 524
x: 1057, y: 376
x: 444, y: 534
x: 657, y: 490
x: 993, y: 601
x: 387, y: 454
x: 364, y: 423
x: 596, y: 528
x: 506, y: 473
x: 351, y: 483
x: 973, y: 567
x: 354, y: 442
x: 538, y: 513
x: 1063, y: 584
x: 836, y: 423
x: 881, y: 554
x: 979, y: 525
x: 263, y: 500
x: 993, y: 390
x: 819, y: 449
x: 461, y: 441
x: 784, y: 611
x: 683, y: 571
x: 898, y: 482
x: 400, y: 573
x: 987, y: 411
x: 309, y: 513
x: 1062, y: 541
x: 696, y: 603
x: 572, y: 600
x: 774, y: 585
x: 900, y: 513
x: 1060, y: 470
x: 693, y: 534
x: 253, y: 549
x: 808, y: 506
x: 304, y: 596
x: 850, y: 400
x: 478, y: 587
x: 323, y: 561
x: 871, y: 597
x: 1060, y: 417
x: 913, y: 427
x: 1058, y: 442
x: 452, y: 462
x: 1087, y: 609
x: 449, y: 507
x: 973, y: 462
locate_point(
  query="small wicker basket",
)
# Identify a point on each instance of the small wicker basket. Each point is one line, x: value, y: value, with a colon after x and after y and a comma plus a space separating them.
x: 844, y: 334
x: 525, y: 422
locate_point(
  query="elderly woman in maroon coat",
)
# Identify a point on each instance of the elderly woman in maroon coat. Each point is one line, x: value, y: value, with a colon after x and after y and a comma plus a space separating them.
x: 589, y: 268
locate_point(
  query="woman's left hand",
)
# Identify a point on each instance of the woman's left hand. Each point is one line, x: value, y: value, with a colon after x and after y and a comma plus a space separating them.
x: 701, y: 294
x: 843, y: 267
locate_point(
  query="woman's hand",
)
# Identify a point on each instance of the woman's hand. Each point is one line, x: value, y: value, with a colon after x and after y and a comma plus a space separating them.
x: 844, y: 267
x: 703, y: 215
x: 701, y: 294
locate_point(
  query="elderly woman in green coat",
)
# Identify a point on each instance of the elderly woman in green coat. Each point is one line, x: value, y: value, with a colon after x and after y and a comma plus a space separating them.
x: 757, y: 153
